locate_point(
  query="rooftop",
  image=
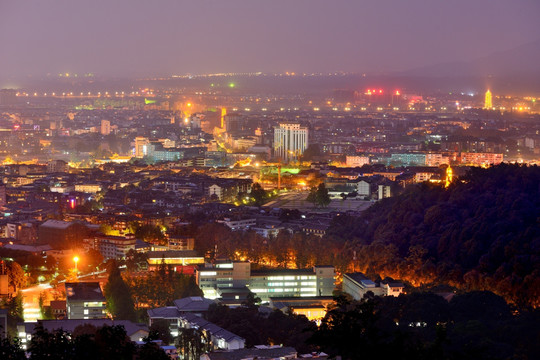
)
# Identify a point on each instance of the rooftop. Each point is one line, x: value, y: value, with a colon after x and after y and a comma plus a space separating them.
x: 90, y: 291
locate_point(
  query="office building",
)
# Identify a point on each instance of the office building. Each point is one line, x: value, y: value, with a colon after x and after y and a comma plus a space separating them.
x: 316, y: 281
x: 141, y: 146
x: 290, y: 141
x: 85, y: 300
x: 105, y: 127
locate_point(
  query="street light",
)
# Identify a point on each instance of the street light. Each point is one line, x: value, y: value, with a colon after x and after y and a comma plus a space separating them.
x: 76, y: 260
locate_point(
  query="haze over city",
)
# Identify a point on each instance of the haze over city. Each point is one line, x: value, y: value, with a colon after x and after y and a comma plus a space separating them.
x: 148, y: 38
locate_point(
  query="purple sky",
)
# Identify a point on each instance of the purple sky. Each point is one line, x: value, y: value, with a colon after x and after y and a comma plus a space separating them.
x: 134, y: 37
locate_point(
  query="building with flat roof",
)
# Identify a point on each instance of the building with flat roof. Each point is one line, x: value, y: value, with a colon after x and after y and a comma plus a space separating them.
x: 357, y: 285
x: 316, y: 281
x: 136, y: 332
x: 85, y: 300
x: 290, y: 141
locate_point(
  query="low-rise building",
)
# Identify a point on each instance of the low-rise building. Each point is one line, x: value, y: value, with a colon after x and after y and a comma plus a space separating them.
x: 135, y: 332
x: 85, y: 300
x: 357, y: 285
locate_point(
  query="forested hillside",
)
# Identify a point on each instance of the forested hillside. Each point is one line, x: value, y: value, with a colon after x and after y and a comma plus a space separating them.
x: 481, y: 233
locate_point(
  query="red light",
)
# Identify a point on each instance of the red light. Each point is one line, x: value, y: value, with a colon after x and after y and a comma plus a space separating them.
x: 380, y: 91
x: 397, y: 92
x: 72, y: 203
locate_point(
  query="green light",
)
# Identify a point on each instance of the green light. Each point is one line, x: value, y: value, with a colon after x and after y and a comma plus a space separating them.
x: 148, y: 101
x: 212, y: 85
x: 231, y: 85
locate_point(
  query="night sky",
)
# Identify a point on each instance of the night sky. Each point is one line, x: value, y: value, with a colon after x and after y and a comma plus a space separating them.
x: 164, y: 37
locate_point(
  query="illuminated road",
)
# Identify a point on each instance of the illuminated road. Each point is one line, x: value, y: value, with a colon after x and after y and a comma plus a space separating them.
x: 31, y: 300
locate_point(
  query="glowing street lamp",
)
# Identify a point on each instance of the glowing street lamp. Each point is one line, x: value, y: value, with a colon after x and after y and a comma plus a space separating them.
x: 76, y: 260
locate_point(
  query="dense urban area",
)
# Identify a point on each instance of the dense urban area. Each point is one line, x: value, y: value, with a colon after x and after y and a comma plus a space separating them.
x: 193, y: 217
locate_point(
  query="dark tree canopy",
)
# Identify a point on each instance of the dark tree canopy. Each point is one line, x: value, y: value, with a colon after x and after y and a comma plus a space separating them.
x: 482, y: 233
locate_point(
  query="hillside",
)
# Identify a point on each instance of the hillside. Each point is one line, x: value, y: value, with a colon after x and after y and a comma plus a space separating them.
x: 479, y: 234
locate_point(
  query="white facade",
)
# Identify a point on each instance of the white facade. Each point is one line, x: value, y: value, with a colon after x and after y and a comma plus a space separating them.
x: 290, y: 141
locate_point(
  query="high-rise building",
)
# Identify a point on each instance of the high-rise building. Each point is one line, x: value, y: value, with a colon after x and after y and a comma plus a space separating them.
x: 222, y: 117
x: 105, y: 127
x: 290, y: 141
x: 488, y: 102
x: 141, y: 146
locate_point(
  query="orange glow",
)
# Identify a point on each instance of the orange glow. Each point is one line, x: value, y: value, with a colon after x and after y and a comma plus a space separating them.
x: 223, y: 113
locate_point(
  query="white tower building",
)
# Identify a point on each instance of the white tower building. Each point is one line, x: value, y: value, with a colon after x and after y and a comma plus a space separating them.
x: 290, y: 141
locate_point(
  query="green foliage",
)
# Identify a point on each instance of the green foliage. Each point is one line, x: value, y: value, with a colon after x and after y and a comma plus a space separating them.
x: 425, y: 326
x: 50, y: 345
x: 479, y: 234
x: 162, y: 287
x: 150, y: 233
x: 151, y: 351
x: 118, y: 295
x: 258, y: 194
x: 136, y: 261
x: 276, y: 328
x: 285, y: 250
x: 15, y: 275
x: 319, y: 196
x: 160, y: 331
x: 10, y: 349
x: 192, y: 343
x: 45, y: 311
x: 15, y: 312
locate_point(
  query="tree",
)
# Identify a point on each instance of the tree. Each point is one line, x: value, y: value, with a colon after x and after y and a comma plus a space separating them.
x: 10, y: 349
x: 258, y: 194
x: 192, y: 343
x: 45, y: 311
x: 319, y: 196
x: 15, y: 312
x: 113, y: 343
x: 15, y: 275
x: 151, y: 351
x: 160, y: 330
x: 118, y: 294
x: 51, y: 345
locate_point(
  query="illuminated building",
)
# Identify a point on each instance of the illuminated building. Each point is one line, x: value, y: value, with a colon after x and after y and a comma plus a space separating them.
x: 449, y: 176
x: 488, y: 102
x: 357, y: 285
x: 223, y: 113
x: 290, y: 141
x: 141, y: 146
x: 84, y: 300
x: 318, y: 281
x: 180, y: 260
x: 112, y: 247
x: 356, y: 161
x: 105, y: 127
x: 408, y: 159
x: 481, y: 159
